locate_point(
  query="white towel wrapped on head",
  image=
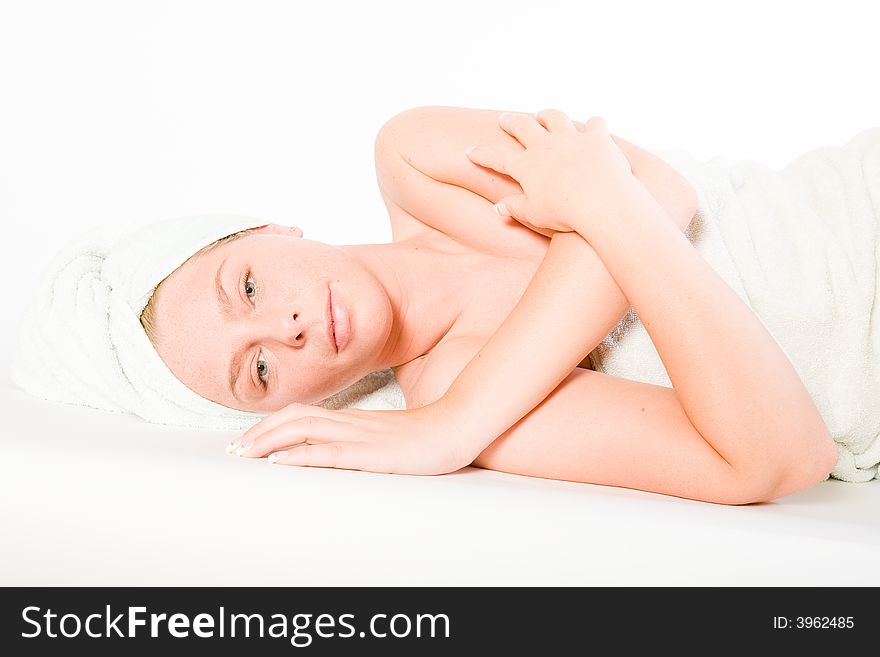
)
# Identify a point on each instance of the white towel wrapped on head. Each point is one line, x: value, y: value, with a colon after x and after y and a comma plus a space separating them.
x: 81, y: 341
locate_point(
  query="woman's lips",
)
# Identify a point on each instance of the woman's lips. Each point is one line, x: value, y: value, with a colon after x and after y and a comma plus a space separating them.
x: 328, y: 320
x: 337, y: 322
x: 341, y: 323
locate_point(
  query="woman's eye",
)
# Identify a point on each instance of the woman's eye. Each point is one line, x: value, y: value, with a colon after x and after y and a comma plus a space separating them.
x: 250, y: 287
x: 263, y: 370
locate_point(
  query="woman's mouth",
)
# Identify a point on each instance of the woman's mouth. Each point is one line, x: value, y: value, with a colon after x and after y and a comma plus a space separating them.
x: 328, y: 321
x: 340, y: 324
x: 337, y: 322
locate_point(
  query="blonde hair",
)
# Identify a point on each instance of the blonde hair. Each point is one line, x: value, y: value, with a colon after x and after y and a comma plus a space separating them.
x: 147, y: 316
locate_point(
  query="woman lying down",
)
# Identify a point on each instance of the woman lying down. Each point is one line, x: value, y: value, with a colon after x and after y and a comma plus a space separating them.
x: 519, y: 243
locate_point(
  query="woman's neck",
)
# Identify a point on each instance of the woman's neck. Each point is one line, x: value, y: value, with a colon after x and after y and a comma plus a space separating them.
x: 428, y: 290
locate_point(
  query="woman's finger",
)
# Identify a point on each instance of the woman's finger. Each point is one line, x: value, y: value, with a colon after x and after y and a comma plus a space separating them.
x: 499, y: 158
x: 596, y: 123
x: 511, y: 206
x: 555, y: 121
x: 523, y: 127
x: 537, y: 229
x: 348, y: 456
x: 292, y: 411
x: 312, y: 429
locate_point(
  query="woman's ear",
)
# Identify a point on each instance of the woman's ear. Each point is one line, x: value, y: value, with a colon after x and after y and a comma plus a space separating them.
x: 277, y: 229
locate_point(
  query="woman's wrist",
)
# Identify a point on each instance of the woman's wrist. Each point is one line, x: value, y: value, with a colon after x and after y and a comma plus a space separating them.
x: 467, y: 434
x: 629, y: 198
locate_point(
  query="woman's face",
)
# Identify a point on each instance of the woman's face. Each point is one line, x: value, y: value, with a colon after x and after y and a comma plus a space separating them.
x: 268, y: 347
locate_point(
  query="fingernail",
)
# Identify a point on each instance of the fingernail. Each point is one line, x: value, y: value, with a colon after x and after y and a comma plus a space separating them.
x: 232, y: 445
x: 245, y: 446
x: 469, y: 150
x: 503, y: 116
x: 276, y: 456
x: 501, y: 209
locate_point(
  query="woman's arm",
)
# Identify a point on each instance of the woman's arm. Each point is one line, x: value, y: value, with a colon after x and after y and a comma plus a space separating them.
x: 758, y: 425
x: 556, y: 299
x: 424, y: 173
x: 421, y: 167
x: 735, y: 384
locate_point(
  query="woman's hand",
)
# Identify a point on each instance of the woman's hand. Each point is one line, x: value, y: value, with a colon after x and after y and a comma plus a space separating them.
x: 567, y: 175
x: 428, y: 440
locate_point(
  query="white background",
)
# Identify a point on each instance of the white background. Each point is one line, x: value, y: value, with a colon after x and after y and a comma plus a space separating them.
x: 134, y: 111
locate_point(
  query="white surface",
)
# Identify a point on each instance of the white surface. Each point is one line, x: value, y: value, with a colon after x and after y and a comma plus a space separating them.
x: 132, y: 111
x: 96, y: 499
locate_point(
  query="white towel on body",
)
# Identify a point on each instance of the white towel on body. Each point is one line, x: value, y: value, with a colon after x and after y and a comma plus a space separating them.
x: 801, y: 247
x: 81, y: 341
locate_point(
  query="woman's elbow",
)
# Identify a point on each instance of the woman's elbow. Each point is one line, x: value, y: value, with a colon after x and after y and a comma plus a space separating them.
x: 813, y: 466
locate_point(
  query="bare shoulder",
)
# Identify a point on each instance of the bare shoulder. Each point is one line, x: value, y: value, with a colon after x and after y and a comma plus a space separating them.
x: 426, y: 179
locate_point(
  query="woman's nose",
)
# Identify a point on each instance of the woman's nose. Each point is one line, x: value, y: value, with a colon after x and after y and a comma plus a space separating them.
x: 290, y: 330
x: 283, y: 325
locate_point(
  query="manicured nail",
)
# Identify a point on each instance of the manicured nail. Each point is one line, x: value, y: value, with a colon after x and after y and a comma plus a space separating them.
x: 501, y: 209
x: 503, y: 116
x: 245, y: 446
x: 232, y: 445
x: 276, y: 456
x: 469, y: 150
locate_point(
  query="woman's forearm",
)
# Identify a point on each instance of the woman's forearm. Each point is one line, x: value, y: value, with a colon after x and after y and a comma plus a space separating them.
x: 733, y: 380
x: 570, y: 305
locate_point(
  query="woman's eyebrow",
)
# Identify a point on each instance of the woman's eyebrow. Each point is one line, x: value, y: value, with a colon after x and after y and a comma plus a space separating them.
x: 222, y: 297
x: 226, y: 311
x: 234, y: 372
